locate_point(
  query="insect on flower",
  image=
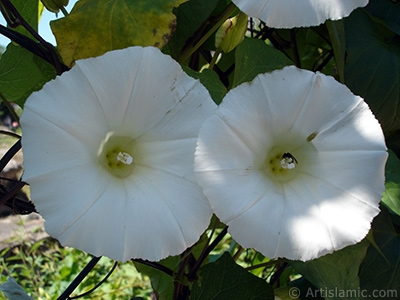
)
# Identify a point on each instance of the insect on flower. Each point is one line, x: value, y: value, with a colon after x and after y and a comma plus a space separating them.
x: 289, y: 158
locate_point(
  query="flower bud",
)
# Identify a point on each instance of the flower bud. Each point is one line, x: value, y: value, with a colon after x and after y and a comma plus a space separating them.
x: 54, y: 5
x: 231, y: 33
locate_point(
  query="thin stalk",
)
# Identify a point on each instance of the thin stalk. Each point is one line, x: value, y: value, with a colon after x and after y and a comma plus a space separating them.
x: 10, y: 154
x: 295, y: 49
x: 10, y: 133
x: 12, y: 193
x: 10, y: 108
x: 79, y: 278
x: 221, y: 19
x: 16, y: 19
x: 207, y: 251
x: 265, y: 265
x: 64, y: 11
x: 154, y: 265
x: 214, y: 58
x: 97, y: 285
x: 238, y: 253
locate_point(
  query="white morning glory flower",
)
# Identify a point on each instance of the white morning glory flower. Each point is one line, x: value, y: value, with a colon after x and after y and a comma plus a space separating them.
x: 109, y: 150
x: 13, y: 290
x: 294, y: 164
x: 298, y: 13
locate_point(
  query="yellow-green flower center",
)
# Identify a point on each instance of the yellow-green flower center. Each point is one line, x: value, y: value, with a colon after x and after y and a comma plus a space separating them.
x: 280, y: 165
x: 116, y: 155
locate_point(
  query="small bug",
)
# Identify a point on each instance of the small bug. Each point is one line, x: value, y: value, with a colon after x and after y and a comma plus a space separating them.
x: 289, y: 158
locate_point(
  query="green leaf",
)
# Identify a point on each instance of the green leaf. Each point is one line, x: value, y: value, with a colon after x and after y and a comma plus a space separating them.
x: 189, y: 16
x: 387, y: 11
x: 21, y: 73
x: 338, y: 40
x: 211, y: 81
x: 336, y: 271
x: 391, y: 196
x: 376, y: 273
x: 224, y: 279
x: 254, y: 57
x: 372, y: 68
x: 96, y: 26
x: 162, y: 284
x: 31, y: 11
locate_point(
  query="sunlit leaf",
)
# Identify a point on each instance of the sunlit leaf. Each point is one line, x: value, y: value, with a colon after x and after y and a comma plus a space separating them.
x: 372, y: 68
x: 224, y: 279
x: 338, y: 270
x: 21, y: 73
x: 161, y: 283
x: 254, y: 57
x: 31, y: 11
x: 96, y: 26
x: 211, y: 81
x: 391, y: 196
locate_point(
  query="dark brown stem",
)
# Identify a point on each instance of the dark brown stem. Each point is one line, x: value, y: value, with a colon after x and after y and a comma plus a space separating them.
x: 294, y: 47
x: 14, y: 19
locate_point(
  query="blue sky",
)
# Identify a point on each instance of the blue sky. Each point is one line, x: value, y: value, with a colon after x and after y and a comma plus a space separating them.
x: 44, y: 25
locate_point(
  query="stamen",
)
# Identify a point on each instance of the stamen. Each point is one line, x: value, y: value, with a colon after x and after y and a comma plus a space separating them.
x: 124, y: 158
x: 288, y: 161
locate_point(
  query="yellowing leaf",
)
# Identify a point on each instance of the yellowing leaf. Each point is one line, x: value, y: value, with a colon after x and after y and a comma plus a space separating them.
x: 96, y: 26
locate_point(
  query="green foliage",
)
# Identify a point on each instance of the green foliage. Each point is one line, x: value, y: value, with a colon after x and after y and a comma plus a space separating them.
x: 391, y: 196
x: 338, y: 40
x: 254, y: 57
x: 373, y: 63
x: 21, y: 73
x: 31, y: 11
x: 96, y: 26
x: 224, y: 279
x: 190, y: 16
x: 45, y: 269
x: 338, y: 270
x: 211, y: 81
x: 380, y: 270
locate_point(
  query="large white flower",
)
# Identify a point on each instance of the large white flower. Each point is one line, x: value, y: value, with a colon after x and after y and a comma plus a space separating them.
x: 298, y: 13
x: 294, y: 164
x: 108, y: 152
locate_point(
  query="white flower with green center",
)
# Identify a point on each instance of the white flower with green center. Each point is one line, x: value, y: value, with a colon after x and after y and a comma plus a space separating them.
x: 293, y: 163
x: 298, y: 13
x: 109, y: 150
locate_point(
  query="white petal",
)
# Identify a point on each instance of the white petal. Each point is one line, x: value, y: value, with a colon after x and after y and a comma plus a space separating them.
x: 13, y: 290
x: 187, y: 116
x: 233, y: 192
x: 152, y: 214
x: 328, y: 219
x: 65, y: 195
x: 68, y: 102
x: 342, y: 170
x: 48, y: 147
x: 298, y: 13
x: 284, y: 104
x: 175, y: 157
x: 137, y: 93
x: 332, y: 196
x: 227, y: 149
